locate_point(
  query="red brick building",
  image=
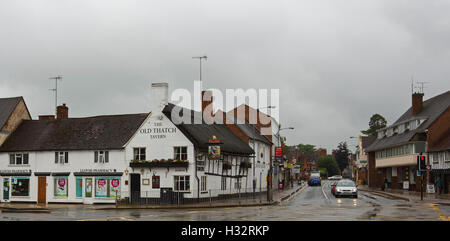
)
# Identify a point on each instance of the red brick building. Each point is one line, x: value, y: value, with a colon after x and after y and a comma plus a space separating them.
x: 393, y: 155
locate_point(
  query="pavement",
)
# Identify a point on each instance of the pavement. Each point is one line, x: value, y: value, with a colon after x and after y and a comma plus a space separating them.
x: 412, y: 196
x: 279, y: 196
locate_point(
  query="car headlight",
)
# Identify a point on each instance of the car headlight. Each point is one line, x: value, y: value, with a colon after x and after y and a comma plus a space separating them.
x: 338, y: 189
x: 354, y: 190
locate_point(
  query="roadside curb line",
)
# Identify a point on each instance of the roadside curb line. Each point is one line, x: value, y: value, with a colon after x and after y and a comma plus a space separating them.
x: 24, y: 210
x: 386, y: 194
x: 290, y: 196
x: 210, y: 206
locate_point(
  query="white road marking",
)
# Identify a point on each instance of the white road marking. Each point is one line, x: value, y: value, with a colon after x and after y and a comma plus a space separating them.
x: 324, y: 192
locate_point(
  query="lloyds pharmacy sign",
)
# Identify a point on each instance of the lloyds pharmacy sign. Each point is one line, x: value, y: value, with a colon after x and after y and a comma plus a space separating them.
x: 157, y: 131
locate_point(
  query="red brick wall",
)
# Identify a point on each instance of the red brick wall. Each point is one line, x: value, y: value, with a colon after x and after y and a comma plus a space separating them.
x: 439, y: 129
x: 374, y: 178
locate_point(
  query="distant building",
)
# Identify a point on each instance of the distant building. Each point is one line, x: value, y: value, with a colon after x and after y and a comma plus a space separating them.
x: 361, y: 158
x: 12, y: 112
x: 424, y: 127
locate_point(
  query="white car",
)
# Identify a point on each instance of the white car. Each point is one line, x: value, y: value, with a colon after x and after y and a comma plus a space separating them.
x: 335, y: 177
x: 346, y: 188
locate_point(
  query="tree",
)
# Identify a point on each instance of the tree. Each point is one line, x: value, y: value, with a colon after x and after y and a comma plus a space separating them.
x: 285, y: 149
x: 342, y: 155
x: 329, y: 164
x: 305, y: 149
x: 376, y: 122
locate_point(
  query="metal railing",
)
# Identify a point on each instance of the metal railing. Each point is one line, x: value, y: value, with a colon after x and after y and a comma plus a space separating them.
x: 208, y: 197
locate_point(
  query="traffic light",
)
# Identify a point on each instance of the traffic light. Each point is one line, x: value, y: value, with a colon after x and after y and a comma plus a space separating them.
x: 421, y: 162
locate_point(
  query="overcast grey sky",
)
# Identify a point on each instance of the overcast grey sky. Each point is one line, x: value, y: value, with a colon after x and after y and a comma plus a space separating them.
x: 335, y: 62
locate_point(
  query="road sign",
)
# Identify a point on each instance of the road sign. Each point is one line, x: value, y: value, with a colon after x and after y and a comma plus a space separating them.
x: 428, y: 167
x: 419, y: 173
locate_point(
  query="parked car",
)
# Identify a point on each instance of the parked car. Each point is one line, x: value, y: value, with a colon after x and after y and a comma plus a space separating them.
x: 333, y: 187
x: 346, y: 187
x: 335, y: 177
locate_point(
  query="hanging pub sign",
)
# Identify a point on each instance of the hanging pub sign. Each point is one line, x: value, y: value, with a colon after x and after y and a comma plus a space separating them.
x: 214, y: 149
x: 278, y: 151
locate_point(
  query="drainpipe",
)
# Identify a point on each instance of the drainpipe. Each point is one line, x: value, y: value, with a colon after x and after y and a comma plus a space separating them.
x: 196, y: 174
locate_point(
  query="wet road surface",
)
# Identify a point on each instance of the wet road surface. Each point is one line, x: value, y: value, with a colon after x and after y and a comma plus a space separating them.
x: 311, y: 204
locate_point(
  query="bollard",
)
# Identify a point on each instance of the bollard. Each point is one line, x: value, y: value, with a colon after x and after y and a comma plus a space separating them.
x: 210, y: 201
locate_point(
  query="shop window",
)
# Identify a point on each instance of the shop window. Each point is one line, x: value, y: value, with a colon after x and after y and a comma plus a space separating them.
x: 181, y: 183
x: 62, y: 157
x: 101, y: 157
x: 107, y: 187
x: 88, y: 191
x: 60, y: 186
x: 180, y: 153
x: 79, y: 188
x: 18, y: 159
x: 20, y: 186
x: 155, y: 181
x: 139, y: 154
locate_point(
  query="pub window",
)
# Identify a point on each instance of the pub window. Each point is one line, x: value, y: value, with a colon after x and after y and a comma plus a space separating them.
x: 62, y: 157
x: 180, y: 153
x: 203, y: 183
x: 101, y: 157
x: 18, y: 159
x: 237, y: 184
x: 224, y: 184
x: 139, y: 154
x: 181, y: 183
x: 155, y: 181
x: 20, y: 186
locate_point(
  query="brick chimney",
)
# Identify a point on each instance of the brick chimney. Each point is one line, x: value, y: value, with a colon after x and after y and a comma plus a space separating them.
x: 46, y: 117
x: 207, y: 104
x: 62, y: 112
x: 417, y: 101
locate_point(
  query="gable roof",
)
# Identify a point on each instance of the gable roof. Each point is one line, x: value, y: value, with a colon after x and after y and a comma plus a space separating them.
x: 200, y: 134
x: 89, y: 133
x: 443, y: 145
x: 431, y: 110
x: 250, y: 130
x: 7, y: 106
x: 367, y: 141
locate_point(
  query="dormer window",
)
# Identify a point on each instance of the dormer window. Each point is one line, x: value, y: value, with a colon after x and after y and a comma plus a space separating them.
x: 380, y: 134
x: 389, y: 132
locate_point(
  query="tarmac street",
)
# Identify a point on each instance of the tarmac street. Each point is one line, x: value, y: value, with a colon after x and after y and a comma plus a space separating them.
x: 314, y: 203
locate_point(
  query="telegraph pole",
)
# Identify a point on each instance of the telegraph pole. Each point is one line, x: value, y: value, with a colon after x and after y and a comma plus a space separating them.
x: 56, y: 78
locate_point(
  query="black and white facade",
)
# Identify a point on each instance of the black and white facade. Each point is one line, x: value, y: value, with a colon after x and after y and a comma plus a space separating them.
x: 129, y: 157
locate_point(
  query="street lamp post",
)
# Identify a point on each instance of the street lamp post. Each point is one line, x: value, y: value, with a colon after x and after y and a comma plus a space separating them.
x: 269, y: 191
x: 254, y: 149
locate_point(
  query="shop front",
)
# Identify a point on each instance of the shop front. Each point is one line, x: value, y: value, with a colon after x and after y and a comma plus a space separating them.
x: 104, y: 187
x: 15, y: 185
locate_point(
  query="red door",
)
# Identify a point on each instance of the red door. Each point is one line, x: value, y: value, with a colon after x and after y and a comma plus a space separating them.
x: 42, y: 190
